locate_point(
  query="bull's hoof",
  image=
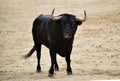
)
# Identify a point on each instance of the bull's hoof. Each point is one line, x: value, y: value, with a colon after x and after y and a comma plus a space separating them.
x: 69, y: 73
x: 38, y: 71
x: 56, y: 69
x: 50, y: 75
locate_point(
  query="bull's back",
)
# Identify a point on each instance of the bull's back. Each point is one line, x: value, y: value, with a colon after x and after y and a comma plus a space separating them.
x: 38, y: 30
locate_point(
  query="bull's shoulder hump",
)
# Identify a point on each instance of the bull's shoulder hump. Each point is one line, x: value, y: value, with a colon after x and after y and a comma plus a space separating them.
x: 41, y: 16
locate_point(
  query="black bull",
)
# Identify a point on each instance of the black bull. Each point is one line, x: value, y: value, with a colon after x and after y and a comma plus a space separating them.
x: 57, y: 34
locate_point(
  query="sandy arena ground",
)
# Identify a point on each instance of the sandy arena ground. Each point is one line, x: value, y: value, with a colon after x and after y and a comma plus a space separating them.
x: 96, y: 52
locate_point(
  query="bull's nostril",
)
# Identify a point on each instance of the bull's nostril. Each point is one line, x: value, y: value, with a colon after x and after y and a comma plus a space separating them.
x: 67, y: 36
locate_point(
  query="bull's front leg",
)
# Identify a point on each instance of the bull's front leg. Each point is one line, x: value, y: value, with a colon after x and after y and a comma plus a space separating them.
x: 53, y: 61
x: 68, y: 61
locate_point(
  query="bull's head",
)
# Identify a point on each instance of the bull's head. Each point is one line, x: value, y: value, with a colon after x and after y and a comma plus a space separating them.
x: 69, y: 23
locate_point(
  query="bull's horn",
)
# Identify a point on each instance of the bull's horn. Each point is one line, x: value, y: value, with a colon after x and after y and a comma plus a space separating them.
x: 84, y: 16
x: 82, y: 20
x: 56, y: 17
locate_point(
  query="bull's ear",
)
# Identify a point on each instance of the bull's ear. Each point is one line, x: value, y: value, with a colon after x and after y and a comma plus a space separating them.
x: 58, y: 21
x: 78, y: 22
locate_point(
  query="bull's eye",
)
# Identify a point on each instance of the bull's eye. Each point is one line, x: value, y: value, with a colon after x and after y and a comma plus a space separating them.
x: 73, y: 27
x: 73, y: 24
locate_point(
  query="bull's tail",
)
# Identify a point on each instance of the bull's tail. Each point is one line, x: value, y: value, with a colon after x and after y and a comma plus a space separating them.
x: 30, y: 52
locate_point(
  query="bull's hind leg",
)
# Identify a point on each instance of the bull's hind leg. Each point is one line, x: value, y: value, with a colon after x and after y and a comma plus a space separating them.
x: 38, y: 50
x: 53, y: 60
x: 56, y: 64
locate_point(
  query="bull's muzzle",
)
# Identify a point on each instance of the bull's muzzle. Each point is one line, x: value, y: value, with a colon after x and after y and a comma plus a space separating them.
x: 67, y: 36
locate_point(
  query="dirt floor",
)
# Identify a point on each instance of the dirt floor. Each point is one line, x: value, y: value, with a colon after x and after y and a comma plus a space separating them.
x: 96, y: 52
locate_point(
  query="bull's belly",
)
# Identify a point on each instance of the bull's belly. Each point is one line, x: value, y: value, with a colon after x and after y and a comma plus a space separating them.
x: 61, y: 47
x: 62, y: 51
